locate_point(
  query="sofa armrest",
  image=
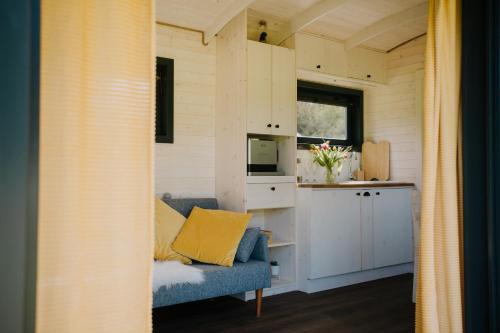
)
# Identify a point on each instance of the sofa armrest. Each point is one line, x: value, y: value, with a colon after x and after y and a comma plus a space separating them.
x: 261, y: 250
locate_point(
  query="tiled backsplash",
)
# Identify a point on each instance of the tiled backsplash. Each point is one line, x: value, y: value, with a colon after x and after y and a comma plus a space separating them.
x: 313, y: 173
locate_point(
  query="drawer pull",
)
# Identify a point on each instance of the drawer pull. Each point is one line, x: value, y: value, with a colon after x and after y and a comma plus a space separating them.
x: 358, y: 194
x: 378, y: 193
x: 366, y: 194
x: 269, y: 125
x: 273, y: 188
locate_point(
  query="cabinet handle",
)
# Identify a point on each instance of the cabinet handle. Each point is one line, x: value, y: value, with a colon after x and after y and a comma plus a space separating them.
x: 269, y: 125
x: 366, y: 194
x: 273, y: 188
x: 277, y: 126
x: 368, y: 76
x: 358, y: 194
x: 318, y: 66
x: 378, y: 193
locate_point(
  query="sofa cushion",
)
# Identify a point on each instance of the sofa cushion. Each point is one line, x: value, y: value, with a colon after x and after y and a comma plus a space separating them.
x: 211, y: 236
x: 247, y: 244
x: 186, y: 205
x: 168, y: 223
x: 219, y: 281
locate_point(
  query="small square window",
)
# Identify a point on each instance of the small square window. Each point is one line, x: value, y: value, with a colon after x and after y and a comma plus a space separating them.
x: 329, y: 113
x: 325, y: 121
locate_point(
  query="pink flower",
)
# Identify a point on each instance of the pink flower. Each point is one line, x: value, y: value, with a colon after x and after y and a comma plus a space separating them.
x: 325, y: 146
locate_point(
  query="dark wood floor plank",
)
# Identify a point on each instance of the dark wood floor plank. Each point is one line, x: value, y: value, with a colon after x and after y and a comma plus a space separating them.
x: 377, y: 306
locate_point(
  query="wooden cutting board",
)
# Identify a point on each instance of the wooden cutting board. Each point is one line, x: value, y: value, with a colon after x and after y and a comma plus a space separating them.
x: 375, y: 159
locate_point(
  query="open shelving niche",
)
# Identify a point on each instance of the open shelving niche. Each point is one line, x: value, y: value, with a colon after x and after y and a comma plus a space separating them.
x: 281, y: 221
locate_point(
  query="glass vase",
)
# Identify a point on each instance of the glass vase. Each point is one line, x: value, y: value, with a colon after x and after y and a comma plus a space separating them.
x: 329, y: 176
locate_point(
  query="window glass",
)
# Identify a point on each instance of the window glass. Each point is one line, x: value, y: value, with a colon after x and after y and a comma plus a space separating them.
x: 325, y: 121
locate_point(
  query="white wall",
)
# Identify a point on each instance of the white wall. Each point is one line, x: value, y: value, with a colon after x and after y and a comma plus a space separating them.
x: 391, y: 112
x: 187, y: 167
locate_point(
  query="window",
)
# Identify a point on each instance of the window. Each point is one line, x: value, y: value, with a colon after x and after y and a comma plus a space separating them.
x: 329, y: 113
x: 164, y: 100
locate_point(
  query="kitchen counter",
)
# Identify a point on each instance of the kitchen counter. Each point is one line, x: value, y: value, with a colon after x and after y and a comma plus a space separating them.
x: 357, y: 184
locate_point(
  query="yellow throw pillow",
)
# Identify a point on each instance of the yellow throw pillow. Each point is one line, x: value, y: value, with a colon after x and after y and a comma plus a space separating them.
x: 211, y: 236
x: 168, y: 223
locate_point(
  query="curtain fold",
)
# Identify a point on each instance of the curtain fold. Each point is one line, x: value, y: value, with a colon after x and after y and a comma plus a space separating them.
x: 439, y: 295
x: 95, y: 237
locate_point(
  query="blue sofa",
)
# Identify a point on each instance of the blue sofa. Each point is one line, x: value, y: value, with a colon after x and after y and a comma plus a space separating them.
x: 255, y: 274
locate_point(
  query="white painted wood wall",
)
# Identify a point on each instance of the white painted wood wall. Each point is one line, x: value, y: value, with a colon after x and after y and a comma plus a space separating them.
x: 187, y: 167
x: 391, y: 110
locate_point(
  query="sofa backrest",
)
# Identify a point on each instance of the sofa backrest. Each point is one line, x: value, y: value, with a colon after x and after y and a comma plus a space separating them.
x: 186, y: 205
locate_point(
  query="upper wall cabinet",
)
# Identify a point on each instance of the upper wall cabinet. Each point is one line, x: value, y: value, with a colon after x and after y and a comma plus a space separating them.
x: 366, y: 65
x: 272, y: 89
x: 320, y: 55
x: 329, y: 57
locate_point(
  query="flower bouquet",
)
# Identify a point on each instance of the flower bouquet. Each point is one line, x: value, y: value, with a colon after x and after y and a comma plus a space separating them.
x: 330, y: 158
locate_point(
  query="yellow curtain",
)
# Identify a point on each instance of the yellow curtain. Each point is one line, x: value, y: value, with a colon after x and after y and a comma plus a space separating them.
x: 96, y: 166
x: 439, y: 296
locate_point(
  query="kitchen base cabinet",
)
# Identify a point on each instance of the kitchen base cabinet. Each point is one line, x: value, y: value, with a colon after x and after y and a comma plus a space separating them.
x: 360, y: 233
x: 392, y: 227
x: 337, y: 214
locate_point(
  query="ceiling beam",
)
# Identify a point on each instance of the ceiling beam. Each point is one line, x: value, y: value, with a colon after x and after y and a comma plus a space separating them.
x: 224, y: 17
x: 387, y: 23
x: 310, y: 15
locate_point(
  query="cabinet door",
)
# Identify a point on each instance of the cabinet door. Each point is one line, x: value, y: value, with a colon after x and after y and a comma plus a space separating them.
x: 336, y: 60
x: 284, y: 90
x: 366, y: 229
x: 392, y: 227
x: 335, y: 233
x: 259, y: 88
x: 366, y: 65
x: 311, y: 53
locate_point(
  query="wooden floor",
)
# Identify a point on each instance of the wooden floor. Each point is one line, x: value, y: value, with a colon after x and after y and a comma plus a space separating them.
x: 377, y: 306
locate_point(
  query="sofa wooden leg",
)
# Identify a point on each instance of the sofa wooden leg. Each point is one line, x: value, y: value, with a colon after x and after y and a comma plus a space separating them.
x: 258, y: 301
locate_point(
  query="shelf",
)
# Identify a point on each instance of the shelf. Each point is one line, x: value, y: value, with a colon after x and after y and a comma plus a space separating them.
x: 281, y: 283
x: 279, y: 243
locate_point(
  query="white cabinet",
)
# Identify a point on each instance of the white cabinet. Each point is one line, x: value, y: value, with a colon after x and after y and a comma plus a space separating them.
x: 320, y: 55
x: 352, y: 230
x: 270, y: 195
x: 259, y: 119
x: 330, y: 57
x: 392, y: 227
x: 335, y: 234
x: 366, y: 65
x: 271, y: 92
x: 284, y: 92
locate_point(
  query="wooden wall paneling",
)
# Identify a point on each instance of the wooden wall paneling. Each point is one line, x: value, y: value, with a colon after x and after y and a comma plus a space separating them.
x: 187, y: 167
x: 230, y: 118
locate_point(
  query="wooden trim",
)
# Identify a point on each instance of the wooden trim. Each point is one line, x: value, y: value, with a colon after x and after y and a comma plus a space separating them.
x: 166, y: 24
x: 309, y: 16
x: 356, y: 184
x: 258, y: 302
x: 236, y: 7
x: 387, y: 23
x: 406, y: 42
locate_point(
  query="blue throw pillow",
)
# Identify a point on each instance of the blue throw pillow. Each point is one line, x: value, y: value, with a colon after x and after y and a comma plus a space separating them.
x: 247, y: 243
x: 186, y: 205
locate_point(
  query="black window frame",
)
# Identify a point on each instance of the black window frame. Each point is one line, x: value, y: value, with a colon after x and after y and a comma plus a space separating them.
x: 334, y: 95
x: 164, y: 130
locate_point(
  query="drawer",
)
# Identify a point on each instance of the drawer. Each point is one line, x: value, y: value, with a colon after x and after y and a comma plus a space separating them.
x: 270, y: 195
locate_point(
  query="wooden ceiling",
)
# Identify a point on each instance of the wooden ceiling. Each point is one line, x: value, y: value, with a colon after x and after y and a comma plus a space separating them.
x: 373, y: 22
